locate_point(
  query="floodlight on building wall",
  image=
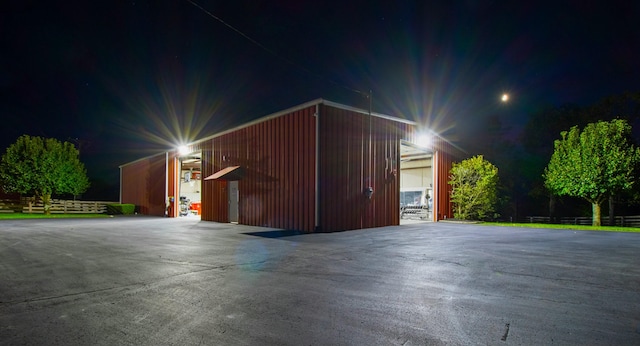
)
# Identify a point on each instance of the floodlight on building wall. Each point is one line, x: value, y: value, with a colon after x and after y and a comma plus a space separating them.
x: 183, y: 150
x: 424, y: 140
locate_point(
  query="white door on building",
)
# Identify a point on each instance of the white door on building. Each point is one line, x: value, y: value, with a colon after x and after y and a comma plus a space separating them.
x: 234, y: 197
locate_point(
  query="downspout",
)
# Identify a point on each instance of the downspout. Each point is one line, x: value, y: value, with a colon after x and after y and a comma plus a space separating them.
x: 370, y: 222
x: 317, y: 177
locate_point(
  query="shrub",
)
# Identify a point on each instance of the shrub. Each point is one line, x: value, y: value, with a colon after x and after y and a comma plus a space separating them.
x: 474, y: 184
x: 120, y: 209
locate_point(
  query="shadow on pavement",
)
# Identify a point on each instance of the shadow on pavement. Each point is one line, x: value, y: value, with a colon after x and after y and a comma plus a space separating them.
x: 275, y: 233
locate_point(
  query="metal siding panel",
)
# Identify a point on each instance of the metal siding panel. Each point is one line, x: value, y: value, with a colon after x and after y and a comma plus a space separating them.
x: 324, y: 143
x: 215, y: 201
x: 442, y: 162
x: 377, y: 211
x: 310, y: 175
x: 369, y: 171
x: 267, y: 167
x: 273, y: 164
x: 134, y: 189
x: 282, y: 157
x: 330, y: 200
x: 157, y: 183
x: 274, y: 157
x: 143, y: 184
x: 285, y: 213
x: 379, y: 195
x: 277, y: 154
x: 172, y: 183
x: 293, y: 168
x: 273, y: 193
x: 283, y: 148
x: 206, y: 211
x: 345, y: 170
x: 239, y: 149
x: 209, y: 204
x: 249, y: 207
x: 361, y: 180
x: 304, y: 174
x: 328, y: 143
x: 341, y: 169
x: 289, y: 152
x: 289, y: 173
x: 267, y: 145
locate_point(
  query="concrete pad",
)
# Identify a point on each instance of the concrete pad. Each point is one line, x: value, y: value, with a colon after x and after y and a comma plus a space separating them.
x: 155, y: 281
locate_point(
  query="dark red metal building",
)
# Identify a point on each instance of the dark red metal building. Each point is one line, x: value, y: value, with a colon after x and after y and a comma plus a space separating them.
x: 320, y: 166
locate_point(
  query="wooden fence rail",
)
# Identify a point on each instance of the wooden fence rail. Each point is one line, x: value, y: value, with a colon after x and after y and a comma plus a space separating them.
x: 67, y: 207
x: 623, y: 221
x: 9, y: 206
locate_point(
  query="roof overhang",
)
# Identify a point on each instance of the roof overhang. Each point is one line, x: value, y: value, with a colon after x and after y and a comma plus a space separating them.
x: 410, y: 151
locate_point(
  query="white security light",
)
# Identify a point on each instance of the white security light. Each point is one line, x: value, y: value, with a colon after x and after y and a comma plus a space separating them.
x: 183, y: 150
x: 424, y: 140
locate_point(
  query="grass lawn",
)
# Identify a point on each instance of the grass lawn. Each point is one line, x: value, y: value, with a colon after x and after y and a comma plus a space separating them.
x: 13, y: 216
x: 572, y: 227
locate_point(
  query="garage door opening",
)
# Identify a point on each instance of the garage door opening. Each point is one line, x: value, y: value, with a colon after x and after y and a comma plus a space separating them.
x: 190, y: 186
x: 416, y: 183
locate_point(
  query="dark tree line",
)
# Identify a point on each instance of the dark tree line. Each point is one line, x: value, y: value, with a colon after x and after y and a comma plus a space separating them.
x: 521, y: 160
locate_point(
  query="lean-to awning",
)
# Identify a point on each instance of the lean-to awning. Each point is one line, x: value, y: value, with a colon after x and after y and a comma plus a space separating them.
x: 230, y: 174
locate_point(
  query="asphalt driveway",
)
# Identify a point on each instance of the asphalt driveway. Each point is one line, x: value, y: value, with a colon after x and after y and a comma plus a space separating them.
x: 153, y: 281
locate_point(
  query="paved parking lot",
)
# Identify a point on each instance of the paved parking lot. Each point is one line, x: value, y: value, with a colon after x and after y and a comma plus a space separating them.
x: 152, y: 281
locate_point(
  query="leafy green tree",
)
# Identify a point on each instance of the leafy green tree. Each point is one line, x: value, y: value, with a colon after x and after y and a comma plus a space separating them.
x: 39, y: 166
x: 474, y: 183
x: 622, y: 106
x: 537, y: 139
x: 594, y: 163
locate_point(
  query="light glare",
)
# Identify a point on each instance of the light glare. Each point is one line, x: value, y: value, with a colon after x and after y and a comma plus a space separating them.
x: 424, y: 141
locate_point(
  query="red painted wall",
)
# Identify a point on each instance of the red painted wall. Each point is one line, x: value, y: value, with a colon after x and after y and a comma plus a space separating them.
x: 278, y: 156
x: 143, y: 183
x: 173, y: 171
x: 348, y: 165
x: 214, y: 200
x: 443, y: 160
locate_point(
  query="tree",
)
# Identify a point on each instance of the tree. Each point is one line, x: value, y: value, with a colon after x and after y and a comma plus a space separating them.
x: 474, y: 185
x: 624, y: 106
x: 537, y: 138
x: 595, y: 163
x: 39, y: 166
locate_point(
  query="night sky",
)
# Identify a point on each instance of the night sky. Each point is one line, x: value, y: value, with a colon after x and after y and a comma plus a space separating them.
x: 125, y: 79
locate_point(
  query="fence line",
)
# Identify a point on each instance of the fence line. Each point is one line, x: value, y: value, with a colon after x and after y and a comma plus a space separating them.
x: 59, y: 206
x: 623, y: 221
x: 9, y: 206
